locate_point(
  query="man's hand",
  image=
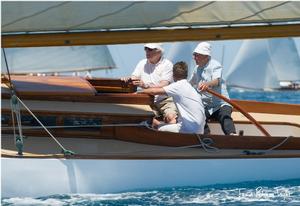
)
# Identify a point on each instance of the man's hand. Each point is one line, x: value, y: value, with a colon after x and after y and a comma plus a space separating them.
x: 125, y: 79
x: 203, y: 86
x: 129, y: 79
x: 170, y: 118
x: 139, y: 83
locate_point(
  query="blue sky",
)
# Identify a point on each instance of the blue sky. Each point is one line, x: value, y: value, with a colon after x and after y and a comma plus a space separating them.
x: 127, y: 56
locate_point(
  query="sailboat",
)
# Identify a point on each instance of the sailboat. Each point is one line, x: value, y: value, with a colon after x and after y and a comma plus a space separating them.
x: 77, y: 135
x: 183, y: 51
x: 266, y: 64
x: 56, y: 60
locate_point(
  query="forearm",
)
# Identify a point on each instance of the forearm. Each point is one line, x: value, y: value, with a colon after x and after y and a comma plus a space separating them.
x: 205, y: 85
x: 160, y: 85
x: 153, y: 91
x: 213, y: 83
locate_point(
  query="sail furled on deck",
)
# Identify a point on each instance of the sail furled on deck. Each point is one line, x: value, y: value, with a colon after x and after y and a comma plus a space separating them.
x: 263, y: 63
x: 57, y: 59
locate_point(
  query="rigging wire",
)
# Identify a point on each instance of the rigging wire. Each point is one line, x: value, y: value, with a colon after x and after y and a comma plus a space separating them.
x: 18, y: 140
x: 15, y: 109
x: 8, y: 73
x: 65, y: 151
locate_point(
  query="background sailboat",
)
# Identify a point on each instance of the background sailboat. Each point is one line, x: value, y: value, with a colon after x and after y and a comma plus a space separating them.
x: 57, y: 59
x: 264, y: 64
x: 182, y: 51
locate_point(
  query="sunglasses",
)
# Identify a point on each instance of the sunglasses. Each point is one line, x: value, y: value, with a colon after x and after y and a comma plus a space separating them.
x: 199, y: 55
x: 149, y: 49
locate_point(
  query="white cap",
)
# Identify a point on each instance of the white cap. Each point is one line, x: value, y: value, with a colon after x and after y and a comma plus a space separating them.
x: 154, y: 46
x: 203, y: 48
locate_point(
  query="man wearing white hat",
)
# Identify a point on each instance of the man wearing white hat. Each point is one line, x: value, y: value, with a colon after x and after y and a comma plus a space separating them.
x: 156, y: 71
x: 208, y: 74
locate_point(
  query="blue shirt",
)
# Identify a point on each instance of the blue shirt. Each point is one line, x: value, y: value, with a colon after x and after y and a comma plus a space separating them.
x: 212, y: 70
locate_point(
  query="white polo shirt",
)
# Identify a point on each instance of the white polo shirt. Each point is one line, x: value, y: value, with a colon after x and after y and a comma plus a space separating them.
x: 191, y: 117
x: 154, y: 73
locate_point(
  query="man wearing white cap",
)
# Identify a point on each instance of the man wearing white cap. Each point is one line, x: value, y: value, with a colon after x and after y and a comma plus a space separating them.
x: 208, y: 74
x: 156, y: 71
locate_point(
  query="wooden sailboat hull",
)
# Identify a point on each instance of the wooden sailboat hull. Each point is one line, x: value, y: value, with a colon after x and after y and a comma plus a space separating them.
x: 39, y: 175
x: 116, y: 165
x: 120, y: 158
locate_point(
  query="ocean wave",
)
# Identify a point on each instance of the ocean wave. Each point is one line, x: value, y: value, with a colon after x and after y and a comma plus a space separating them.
x: 247, y: 193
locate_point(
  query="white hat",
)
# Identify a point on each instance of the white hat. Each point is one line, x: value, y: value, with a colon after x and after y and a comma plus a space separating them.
x: 154, y: 46
x: 203, y: 48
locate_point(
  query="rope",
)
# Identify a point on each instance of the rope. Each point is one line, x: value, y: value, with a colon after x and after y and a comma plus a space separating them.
x: 205, y: 144
x: 278, y: 145
x: 15, y: 111
x: 248, y: 152
x: 19, y: 138
x: 157, y: 150
x: 13, y: 120
x: 65, y: 151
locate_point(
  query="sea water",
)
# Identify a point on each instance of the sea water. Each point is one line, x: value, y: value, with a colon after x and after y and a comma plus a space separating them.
x: 259, y: 193
x: 283, y: 96
x: 247, y: 193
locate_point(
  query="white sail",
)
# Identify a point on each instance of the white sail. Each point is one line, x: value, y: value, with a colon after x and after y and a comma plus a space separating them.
x: 285, y: 59
x: 28, y: 16
x: 56, y: 59
x: 262, y: 64
x: 182, y: 51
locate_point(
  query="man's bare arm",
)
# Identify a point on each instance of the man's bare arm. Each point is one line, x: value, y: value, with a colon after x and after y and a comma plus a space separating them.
x: 205, y: 85
x: 162, y: 83
x: 153, y: 91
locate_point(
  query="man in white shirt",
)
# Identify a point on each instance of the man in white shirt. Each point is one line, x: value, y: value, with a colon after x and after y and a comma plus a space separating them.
x: 208, y: 74
x: 155, y: 72
x: 191, y: 115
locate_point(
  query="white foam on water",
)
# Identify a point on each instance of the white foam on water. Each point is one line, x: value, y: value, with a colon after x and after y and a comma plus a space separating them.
x: 27, y: 201
x: 244, y: 195
x: 280, y: 195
